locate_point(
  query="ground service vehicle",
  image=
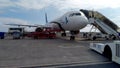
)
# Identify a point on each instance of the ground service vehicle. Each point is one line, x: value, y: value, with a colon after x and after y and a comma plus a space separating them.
x: 43, y: 33
x: 109, y: 50
x: 2, y: 35
x: 94, y: 36
x: 16, y: 33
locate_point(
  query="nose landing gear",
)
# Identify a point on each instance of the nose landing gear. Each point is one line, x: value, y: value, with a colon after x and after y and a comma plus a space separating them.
x: 63, y: 34
x: 73, y: 33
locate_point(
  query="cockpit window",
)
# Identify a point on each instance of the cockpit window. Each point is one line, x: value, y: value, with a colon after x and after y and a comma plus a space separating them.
x: 74, y: 14
x: 77, y: 14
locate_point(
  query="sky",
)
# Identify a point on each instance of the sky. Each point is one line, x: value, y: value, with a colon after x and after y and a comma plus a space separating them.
x: 29, y: 12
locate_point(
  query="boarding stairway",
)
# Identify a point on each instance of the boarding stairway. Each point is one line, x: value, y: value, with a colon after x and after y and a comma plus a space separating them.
x: 101, y: 22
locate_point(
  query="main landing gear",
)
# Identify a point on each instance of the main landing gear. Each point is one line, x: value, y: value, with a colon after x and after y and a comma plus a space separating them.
x: 72, y: 37
x: 63, y: 34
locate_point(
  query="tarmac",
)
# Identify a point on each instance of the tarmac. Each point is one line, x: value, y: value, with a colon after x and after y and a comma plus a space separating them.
x: 50, y: 53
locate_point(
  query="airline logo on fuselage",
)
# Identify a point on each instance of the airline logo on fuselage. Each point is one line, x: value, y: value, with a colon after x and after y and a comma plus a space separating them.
x: 66, y: 20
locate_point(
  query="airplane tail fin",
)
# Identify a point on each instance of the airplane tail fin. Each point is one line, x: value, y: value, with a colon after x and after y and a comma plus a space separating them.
x: 46, y: 17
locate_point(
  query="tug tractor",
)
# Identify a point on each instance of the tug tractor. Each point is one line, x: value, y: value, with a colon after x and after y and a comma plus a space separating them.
x: 109, y: 50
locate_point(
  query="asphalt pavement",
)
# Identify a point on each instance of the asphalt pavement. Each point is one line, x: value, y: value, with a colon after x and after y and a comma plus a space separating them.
x: 30, y: 53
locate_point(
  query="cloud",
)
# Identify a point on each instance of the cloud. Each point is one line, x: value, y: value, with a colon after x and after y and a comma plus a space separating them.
x: 69, y: 4
x: 116, y: 20
x: 1, y: 12
x: 4, y: 20
x: 25, y: 4
x: 87, y: 4
x: 61, y: 4
x: 33, y: 4
x: 5, y: 3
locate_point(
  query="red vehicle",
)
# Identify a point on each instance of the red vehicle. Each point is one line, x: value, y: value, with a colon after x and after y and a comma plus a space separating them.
x: 43, y: 33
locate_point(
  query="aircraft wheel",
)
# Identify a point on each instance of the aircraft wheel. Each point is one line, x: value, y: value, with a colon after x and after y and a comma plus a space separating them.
x: 63, y: 34
x: 94, y: 38
x: 1, y: 37
x: 113, y: 38
x: 107, y: 53
x: 72, y: 37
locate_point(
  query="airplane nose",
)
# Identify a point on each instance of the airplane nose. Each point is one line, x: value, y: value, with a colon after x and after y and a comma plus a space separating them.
x: 81, y: 22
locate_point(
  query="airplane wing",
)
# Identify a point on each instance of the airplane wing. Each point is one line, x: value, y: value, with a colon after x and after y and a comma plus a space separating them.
x: 25, y: 25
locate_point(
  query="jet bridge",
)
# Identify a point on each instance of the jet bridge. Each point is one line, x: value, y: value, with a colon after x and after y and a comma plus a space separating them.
x: 101, y: 22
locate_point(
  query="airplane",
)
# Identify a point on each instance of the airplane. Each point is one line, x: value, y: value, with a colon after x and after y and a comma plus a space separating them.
x: 71, y: 21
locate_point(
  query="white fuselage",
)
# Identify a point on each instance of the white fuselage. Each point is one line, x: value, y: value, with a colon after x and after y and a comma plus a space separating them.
x: 72, y: 21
